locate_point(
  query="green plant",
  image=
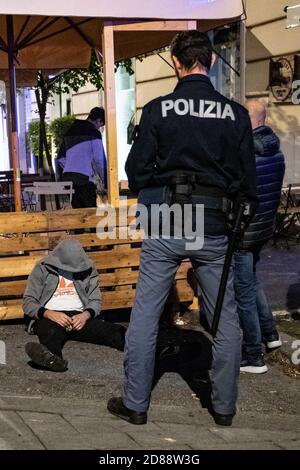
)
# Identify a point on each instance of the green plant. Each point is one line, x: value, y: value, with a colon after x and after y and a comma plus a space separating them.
x: 34, y: 135
x: 59, y: 127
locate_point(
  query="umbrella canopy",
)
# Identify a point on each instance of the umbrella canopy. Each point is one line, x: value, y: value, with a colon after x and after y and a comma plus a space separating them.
x: 57, y: 35
x: 60, y: 34
x: 163, y: 9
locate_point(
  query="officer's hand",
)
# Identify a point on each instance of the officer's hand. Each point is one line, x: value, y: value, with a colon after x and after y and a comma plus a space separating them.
x: 58, y: 317
x: 79, y: 320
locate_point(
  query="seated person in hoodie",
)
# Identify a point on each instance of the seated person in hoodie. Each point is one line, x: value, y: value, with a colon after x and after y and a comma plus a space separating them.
x: 254, y: 311
x: 63, y: 300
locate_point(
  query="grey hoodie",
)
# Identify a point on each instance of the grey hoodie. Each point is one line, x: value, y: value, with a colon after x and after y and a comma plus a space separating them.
x: 70, y: 260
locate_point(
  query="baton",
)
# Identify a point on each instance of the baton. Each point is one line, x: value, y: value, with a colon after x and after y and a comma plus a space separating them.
x: 227, y: 263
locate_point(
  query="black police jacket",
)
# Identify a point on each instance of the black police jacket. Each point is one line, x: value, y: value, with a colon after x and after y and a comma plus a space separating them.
x: 195, y: 130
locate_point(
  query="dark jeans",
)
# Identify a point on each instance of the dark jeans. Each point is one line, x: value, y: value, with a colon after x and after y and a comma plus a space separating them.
x: 255, y: 314
x: 85, y: 194
x: 95, y: 331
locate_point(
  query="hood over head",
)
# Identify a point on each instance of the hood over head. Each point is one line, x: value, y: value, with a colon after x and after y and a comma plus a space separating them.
x: 69, y: 256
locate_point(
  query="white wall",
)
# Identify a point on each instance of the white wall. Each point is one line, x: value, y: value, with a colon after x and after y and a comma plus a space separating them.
x: 4, y: 154
x: 125, y: 105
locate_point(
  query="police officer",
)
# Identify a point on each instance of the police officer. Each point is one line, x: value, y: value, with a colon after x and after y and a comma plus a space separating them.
x: 198, y: 143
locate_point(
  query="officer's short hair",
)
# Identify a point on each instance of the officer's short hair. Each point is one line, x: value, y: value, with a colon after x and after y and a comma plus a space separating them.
x: 97, y: 113
x: 192, y: 48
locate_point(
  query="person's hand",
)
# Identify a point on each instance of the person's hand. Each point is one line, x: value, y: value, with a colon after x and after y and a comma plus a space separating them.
x: 58, y: 317
x: 79, y: 320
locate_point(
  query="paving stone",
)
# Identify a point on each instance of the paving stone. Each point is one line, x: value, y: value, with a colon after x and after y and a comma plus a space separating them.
x: 14, y: 429
x: 111, y: 440
x: 89, y: 424
x: 154, y: 440
x: 180, y: 415
x: 5, y: 445
x: 192, y: 435
x: 239, y: 446
x: 50, y: 428
x: 254, y: 435
x: 289, y: 445
x: 120, y: 424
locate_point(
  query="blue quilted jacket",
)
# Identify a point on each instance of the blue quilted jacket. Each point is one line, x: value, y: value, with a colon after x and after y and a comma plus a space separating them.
x: 270, y: 169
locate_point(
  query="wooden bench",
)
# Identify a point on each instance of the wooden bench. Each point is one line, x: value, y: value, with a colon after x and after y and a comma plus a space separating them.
x: 26, y: 237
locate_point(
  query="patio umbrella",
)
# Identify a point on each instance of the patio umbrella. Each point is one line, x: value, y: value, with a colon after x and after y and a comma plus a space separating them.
x: 58, y: 35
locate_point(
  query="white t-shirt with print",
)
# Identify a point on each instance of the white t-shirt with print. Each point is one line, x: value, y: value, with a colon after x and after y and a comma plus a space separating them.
x: 65, y: 298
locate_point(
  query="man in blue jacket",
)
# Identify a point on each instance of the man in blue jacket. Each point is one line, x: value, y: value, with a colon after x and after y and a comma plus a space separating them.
x: 254, y: 311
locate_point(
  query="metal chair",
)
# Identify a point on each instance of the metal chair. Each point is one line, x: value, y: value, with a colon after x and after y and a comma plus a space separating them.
x: 288, y: 217
x: 64, y: 188
x: 6, y: 191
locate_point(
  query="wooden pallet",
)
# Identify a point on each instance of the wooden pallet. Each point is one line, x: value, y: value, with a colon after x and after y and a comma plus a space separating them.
x: 26, y: 238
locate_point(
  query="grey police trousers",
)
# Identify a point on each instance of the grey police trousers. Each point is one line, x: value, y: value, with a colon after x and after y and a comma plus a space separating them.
x: 159, y: 261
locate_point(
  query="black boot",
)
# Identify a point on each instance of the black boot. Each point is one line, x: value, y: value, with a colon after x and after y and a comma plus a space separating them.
x: 116, y: 407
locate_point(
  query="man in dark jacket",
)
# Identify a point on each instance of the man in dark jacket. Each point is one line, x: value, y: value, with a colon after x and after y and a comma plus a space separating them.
x: 63, y: 299
x: 254, y: 311
x: 82, y: 158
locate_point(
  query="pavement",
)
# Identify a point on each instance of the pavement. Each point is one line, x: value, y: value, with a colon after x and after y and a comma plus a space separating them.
x: 40, y: 409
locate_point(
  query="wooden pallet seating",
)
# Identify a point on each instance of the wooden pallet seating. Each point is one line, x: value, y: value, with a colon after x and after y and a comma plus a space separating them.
x: 26, y: 237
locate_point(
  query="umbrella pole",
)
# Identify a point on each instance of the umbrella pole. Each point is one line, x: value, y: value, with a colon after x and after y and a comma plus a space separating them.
x: 13, y: 108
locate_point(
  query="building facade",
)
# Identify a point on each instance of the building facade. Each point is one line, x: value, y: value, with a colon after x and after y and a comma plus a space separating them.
x: 271, y: 49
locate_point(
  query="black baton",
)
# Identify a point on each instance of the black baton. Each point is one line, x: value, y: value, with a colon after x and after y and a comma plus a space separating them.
x: 227, y: 263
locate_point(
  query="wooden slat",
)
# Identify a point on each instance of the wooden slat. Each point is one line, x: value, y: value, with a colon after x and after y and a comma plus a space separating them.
x: 44, y: 241
x: 12, y: 309
x: 24, y: 243
x: 120, y: 277
x: 23, y: 222
x: 18, y: 265
x: 65, y: 219
x: 110, y: 259
x: 23, y: 265
x: 12, y: 288
x: 70, y: 219
x: 91, y: 239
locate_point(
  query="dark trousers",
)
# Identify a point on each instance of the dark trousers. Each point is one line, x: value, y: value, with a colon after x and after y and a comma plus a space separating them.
x: 85, y: 193
x: 95, y: 331
x: 255, y: 314
x: 84, y: 196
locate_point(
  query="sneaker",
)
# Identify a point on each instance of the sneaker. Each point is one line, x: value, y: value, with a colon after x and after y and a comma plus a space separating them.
x: 117, y: 408
x: 254, y: 366
x: 272, y: 341
x: 41, y: 356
